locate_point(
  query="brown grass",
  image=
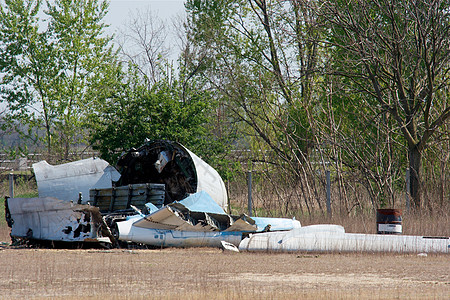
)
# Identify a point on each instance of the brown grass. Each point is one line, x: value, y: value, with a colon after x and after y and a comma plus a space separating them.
x: 211, y: 274
x: 424, y: 222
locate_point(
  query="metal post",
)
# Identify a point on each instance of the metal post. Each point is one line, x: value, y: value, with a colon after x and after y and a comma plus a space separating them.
x: 328, y: 193
x: 11, y: 185
x: 249, y: 179
x: 408, y: 191
x: 228, y: 198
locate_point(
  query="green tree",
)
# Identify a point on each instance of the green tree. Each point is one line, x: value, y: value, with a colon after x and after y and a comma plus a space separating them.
x: 151, y: 100
x: 396, y: 54
x: 51, y: 68
x: 133, y: 113
x: 261, y: 58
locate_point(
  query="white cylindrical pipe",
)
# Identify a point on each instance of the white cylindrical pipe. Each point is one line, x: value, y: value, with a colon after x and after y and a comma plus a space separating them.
x: 332, y: 240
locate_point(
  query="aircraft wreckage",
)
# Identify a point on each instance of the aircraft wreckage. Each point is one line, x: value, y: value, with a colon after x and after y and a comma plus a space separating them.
x: 163, y: 195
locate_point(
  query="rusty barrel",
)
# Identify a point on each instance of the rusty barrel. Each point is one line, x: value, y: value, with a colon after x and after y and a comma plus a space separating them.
x: 389, y: 221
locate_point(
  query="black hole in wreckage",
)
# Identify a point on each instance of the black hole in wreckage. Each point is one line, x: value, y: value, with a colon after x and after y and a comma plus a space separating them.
x: 81, y: 228
x: 67, y: 230
x: 84, y: 226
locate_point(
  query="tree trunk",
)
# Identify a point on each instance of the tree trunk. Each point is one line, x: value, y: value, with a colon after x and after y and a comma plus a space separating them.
x: 415, y: 158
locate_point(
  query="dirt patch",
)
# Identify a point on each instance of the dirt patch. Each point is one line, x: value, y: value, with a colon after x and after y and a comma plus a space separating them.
x: 205, y: 273
x: 345, y: 281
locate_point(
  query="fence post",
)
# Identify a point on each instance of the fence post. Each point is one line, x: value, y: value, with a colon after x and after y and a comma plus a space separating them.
x: 408, y: 191
x: 11, y: 185
x: 249, y: 205
x: 328, y: 193
x: 228, y: 198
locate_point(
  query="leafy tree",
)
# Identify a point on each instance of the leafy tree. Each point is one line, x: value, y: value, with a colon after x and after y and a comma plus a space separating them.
x: 133, y: 113
x: 396, y: 54
x: 261, y: 58
x: 52, y: 67
x: 153, y: 101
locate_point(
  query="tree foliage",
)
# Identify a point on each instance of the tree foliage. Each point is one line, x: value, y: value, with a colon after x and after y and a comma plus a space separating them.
x: 51, y: 67
x: 396, y: 54
x: 153, y: 101
x: 132, y: 113
x: 359, y: 86
x: 262, y: 57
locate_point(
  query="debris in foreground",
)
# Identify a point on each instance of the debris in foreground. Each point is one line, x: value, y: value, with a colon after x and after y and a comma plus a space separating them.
x: 195, y: 221
x: 51, y: 219
x: 163, y: 195
x: 333, y: 238
x: 229, y: 247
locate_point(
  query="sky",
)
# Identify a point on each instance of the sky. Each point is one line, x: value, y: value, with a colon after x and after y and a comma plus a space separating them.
x: 120, y: 10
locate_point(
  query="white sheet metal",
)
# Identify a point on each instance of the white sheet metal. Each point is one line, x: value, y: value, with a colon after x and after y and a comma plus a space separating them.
x: 66, y: 181
x: 209, y: 181
x: 332, y: 238
x: 53, y: 219
x: 164, y: 218
x: 175, y: 238
x: 173, y: 225
x: 276, y: 224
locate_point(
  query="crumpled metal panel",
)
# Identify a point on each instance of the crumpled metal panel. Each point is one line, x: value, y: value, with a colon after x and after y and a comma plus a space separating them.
x: 53, y: 219
x: 175, y: 238
x: 164, y: 218
x: 174, y: 165
x: 199, y: 212
x: 66, y: 181
x: 209, y: 181
x: 196, y: 221
x: 243, y: 224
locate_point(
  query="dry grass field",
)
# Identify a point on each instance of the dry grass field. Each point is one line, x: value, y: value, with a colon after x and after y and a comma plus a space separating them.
x: 204, y: 273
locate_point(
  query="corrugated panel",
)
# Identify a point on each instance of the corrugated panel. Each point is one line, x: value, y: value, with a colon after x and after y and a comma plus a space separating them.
x: 121, y: 198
